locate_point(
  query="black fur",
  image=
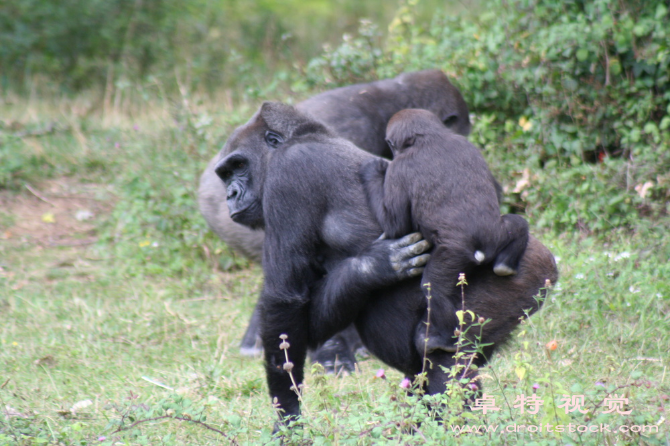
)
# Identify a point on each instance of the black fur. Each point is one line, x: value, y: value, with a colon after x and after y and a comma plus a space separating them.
x: 439, y: 184
x: 325, y: 266
x: 358, y: 113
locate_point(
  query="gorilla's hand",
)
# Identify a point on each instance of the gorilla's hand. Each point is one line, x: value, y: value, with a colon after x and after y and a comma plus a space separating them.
x: 408, y: 255
x: 373, y: 170
x: 393, y: 260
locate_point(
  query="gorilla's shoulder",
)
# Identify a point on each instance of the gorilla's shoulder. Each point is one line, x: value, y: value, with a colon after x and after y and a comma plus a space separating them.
x: 324, y: 147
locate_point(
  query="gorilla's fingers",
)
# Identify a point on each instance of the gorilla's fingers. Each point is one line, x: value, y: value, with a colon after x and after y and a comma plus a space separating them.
x: 420, y: 248
x: 421, y: 260
x: 414, y: 272
x: 409, y: 270
x: 408, y: 240
x: 405, y: 250
x: 408, y: 255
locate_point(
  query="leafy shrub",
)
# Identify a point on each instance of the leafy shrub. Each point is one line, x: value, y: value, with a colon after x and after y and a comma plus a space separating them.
x: 576, y: 92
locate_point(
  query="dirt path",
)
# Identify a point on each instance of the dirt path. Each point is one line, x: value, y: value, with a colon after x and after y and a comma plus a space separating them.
x: 60, y: 212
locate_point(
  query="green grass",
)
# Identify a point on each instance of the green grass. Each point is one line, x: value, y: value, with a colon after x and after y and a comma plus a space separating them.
x: 145, y: 323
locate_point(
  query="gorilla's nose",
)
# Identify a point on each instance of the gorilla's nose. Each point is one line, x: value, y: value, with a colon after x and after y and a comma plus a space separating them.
x: 232, y: 191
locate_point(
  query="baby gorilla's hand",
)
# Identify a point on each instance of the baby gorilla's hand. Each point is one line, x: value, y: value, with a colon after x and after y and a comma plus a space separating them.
x: 373, y: 169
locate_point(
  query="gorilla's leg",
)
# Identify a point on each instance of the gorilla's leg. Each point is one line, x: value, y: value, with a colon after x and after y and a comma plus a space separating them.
x: 337, y: 353
x: 446, y: 262
x: 251, y: 344
x: 396, y: 348
x: 388, y: 327
x: 515, y: 229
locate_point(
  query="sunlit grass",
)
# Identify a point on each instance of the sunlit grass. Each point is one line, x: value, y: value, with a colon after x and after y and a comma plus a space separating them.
x: 146, y: 322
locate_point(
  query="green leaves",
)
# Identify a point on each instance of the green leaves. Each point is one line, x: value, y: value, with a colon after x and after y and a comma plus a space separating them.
x: 591, y: 77
x: 582, y: 54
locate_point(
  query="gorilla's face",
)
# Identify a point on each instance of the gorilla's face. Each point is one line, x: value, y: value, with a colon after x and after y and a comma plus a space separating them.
x: 244, y: 168
x: 243, y: 171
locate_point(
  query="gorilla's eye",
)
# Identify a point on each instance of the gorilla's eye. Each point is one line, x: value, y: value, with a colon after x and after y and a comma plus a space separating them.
x: 409, y: 142
x: 273, y: 139
x: 230, y: 167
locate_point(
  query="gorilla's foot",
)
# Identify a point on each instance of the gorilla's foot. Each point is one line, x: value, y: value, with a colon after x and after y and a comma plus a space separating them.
x: 501, y: 269
x: 335, y: 356
x: 252, y: 350
x: 435, y: 344
x: 437, y: 340
x: 251, y: 344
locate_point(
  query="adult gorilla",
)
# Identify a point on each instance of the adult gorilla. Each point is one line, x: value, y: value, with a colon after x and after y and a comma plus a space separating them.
x: 324, y: 266
x: 358, y: 113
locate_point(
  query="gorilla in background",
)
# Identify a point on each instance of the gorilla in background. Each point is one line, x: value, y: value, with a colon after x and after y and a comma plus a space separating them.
x: 325, y: 266
x: 358, y: 113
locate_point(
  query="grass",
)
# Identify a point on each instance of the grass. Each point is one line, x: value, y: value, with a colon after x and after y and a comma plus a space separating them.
x: 136, y: 315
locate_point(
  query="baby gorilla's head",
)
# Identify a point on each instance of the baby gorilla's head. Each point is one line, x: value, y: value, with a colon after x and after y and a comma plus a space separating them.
x: 407, y: 125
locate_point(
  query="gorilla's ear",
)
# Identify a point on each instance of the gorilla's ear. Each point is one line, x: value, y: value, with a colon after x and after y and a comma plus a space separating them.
x: 281, y: 118
x: 450, y: 121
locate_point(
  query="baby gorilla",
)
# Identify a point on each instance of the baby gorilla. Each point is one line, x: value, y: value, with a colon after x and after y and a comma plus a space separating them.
x: 439, y: 184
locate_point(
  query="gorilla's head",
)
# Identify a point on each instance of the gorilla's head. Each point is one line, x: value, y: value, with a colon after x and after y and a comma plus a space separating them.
x: 406, y: 126
x: 247, y: 154
x: 431, y: 90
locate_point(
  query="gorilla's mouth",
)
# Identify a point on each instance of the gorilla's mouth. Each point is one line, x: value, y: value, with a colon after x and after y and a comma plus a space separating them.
x: 248, y: 215
x: 237, y: 214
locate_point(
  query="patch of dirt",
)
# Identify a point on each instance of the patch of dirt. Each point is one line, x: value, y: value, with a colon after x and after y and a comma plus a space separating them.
x: 60, y: 212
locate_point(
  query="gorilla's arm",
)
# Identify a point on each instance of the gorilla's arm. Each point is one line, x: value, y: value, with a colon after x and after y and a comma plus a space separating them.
x: 337, y: 298
x: 392, y: 211
x: 305, y: 302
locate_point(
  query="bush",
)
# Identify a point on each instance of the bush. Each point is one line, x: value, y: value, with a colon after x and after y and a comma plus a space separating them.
x: 575, y: 92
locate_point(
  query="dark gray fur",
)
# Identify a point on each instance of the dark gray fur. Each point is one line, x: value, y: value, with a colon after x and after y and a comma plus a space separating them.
x: 439, y: 184
x: 325, y: 266
x: 358, y: 113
